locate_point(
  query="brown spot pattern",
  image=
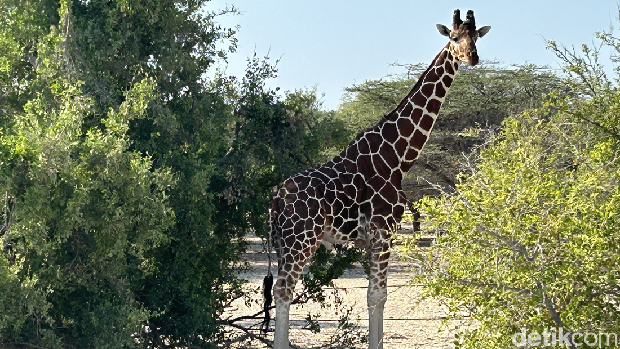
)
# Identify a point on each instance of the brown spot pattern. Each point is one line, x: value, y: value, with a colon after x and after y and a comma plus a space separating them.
x: 427, y: 122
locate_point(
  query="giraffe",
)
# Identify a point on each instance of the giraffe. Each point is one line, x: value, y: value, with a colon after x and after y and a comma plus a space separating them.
x: 357, y: 196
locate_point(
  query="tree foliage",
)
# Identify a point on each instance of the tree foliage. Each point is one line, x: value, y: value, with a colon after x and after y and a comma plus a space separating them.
x: 128, y: 179
x: 81, y: 211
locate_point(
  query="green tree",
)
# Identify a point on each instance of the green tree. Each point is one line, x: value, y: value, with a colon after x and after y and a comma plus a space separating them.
x: 81, y: 211
x: 128, y: 180
x: 103, y: 52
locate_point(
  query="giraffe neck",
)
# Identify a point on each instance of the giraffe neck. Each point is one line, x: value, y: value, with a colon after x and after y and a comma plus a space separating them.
x: 390, y: 148
x: 417, y: 112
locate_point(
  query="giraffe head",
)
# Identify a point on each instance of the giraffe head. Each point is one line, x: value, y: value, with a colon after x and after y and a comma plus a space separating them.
x: 463, y: 37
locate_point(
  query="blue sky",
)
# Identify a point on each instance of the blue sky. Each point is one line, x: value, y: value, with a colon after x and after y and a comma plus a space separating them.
x: 332, y: 44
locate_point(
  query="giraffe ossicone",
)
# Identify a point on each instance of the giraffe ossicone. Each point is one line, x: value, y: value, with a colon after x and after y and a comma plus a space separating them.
x: 357, y: 196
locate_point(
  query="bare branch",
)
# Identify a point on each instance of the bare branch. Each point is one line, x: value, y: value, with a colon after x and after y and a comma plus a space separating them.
x: 497, y: 286
x: 510, y: 242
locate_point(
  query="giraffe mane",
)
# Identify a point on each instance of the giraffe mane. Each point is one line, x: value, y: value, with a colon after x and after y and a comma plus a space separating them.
x: 415, y: 87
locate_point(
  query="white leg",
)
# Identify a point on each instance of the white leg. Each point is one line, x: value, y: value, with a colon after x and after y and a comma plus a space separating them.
x: 376, y: 303
x: 381, y: 328
x: 280, y: 340
x: 377, y: 289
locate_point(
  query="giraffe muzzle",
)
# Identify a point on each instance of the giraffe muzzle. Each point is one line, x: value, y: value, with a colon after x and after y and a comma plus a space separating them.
x: 472, y: 58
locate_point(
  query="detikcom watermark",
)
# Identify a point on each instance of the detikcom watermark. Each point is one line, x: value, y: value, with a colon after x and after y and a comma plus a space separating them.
x: 557, y: 337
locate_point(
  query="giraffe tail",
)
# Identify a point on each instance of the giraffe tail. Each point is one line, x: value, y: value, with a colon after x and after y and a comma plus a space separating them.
x: 268, y: 281
x: 267, y: 285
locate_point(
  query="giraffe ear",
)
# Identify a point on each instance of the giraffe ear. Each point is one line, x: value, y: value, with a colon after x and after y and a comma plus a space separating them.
x: 482, y: 31
x: 443, y: 30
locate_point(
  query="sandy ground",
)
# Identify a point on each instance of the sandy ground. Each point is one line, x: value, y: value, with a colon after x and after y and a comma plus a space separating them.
x: 408, y: 323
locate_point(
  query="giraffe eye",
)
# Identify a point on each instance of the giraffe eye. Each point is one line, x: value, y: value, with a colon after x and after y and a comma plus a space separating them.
x: 454, y: 38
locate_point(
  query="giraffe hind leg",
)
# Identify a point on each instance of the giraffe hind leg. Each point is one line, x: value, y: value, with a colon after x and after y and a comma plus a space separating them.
x: 363, y: 238
x: 290, y: 267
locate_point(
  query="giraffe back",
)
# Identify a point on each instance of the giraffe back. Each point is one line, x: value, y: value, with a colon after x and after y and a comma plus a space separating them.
x: 341, y: 199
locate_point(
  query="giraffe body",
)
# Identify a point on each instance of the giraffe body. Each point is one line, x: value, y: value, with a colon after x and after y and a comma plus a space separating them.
x: 357, y: 196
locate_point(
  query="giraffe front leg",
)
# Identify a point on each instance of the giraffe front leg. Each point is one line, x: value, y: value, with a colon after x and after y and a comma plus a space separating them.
x: 377, y: 289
